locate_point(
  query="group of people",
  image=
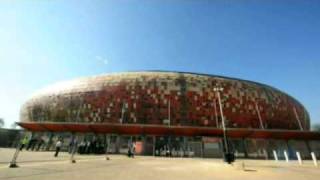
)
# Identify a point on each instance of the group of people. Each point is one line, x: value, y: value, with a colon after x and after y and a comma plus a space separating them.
x: 84, y: 147
x: 91, y: 147
x: 34, y: 144
x: 174, y: 152
x: 37, y: 144
x: 94, y: 146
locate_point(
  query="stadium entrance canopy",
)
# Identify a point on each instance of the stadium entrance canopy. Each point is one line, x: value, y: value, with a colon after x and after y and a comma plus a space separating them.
x: 164, y: 130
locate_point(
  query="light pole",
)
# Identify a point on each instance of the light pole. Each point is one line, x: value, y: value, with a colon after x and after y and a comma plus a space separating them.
x: 169, y: 119
x: 259, y: 115
x: 123, y: 109
x: 169, y: 112
x: 229, y: 157
x: 215, y: 113
x: 298, y: 119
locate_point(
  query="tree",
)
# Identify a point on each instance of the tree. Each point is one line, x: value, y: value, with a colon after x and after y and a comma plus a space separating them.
x: 316, y: 127
x: 13, y: 126
x: 1, y: 122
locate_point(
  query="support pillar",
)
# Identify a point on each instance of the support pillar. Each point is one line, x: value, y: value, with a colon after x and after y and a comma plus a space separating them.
x: 117, y: 148
x: 49, y: 141
x: 202, y: 148
x: 154, y: 146
x: 245, y: 150
x: 107, y: 145
x: 105, y: 140
x: 169, y: 145
x: 286, y: 156
x: 275, y: 155
x: 266, y: 148
x: 308, y: 146
x: 255, y: 142
x: 314, y: 158
x: 185, y: 146
x: 299, y: 157
x: 144, y: 144
x: 288, y: 149
x: 13, y: 163
x: 74, y: 148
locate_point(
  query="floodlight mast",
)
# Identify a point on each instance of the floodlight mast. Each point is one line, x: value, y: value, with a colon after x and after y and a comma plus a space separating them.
x: 218, y: 89
x: 227, y: 154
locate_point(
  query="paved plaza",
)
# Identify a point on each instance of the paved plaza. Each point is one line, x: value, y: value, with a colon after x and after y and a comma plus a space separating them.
x: 43, y: 166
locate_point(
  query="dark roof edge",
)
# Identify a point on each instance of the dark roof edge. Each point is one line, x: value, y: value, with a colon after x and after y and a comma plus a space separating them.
x: 213, y: 75
x: 203, y: 74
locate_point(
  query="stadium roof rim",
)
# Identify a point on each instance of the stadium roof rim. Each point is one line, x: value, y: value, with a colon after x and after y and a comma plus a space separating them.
x: 192, y: 73
x: 203, y: 74
x: 184, y: 72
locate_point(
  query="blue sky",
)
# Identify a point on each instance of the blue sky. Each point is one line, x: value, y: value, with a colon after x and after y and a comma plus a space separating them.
x: 273, y: 42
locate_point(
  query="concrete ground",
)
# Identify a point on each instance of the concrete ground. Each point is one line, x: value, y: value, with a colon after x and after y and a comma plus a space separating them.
x: 43, y: 166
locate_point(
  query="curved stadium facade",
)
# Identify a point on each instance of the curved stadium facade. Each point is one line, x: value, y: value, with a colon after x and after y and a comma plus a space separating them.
x: 159, y: 103
x: 143, y: 98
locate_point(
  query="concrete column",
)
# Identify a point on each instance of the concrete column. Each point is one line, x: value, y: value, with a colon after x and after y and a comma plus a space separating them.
x: 314, y: 158
x: 154, y: 146
x: 288, y: 148
x: 245, y: 150
x: 144, y: 142
x: 299, y: 157
x: 49, y: 141
x: 202, y: 149
x: 185, y: 146
x: 117, y: 144
x: 169, y: 142
x: 255, y: 142
x: 275, y: 155
x: 105, y: 140
x: 286, y: 156
x: 13, y: 162
x: 266, y: 148
x: 308, y: 146
x: 107, y: 145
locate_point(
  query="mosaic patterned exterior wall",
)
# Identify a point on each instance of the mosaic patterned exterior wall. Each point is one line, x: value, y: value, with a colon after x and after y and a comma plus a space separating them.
x: 154, y: 97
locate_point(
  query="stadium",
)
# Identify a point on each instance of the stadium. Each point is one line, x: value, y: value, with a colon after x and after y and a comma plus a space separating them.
x: 185, y: 114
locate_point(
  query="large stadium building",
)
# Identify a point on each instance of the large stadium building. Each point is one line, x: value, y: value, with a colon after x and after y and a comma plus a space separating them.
x: 176, y: 111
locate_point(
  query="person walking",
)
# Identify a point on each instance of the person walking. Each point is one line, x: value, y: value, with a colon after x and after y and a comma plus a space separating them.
x: 133, y: 149
x: 40, y: 143
x: 82, y: 147
x: 58, y: 147
x: 88, y: 147
x: 71, y: 144
x: 23, y: 142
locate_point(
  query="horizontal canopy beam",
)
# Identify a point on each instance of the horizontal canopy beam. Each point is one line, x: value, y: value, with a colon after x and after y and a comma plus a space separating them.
x: 138, y: 129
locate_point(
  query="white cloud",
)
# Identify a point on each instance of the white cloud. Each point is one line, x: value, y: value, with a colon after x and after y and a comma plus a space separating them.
x: 102, y: 60
x: 106, y: 61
